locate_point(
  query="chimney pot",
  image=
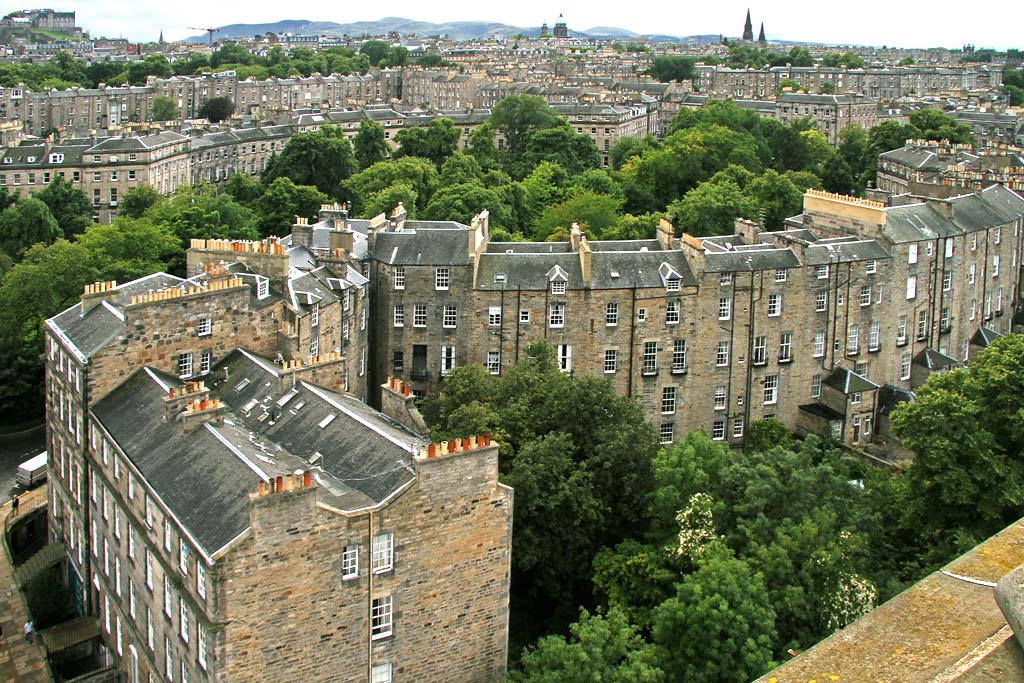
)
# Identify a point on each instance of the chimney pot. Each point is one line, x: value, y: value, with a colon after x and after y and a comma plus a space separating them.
x: 307, y: 478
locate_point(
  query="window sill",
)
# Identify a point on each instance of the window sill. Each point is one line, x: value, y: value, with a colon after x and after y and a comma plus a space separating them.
x: 380, y: 636
x: 901, y: 343
x: 874, y: 349
x: 783, y: 361
x: 678, y: 371
x: 650, y: 373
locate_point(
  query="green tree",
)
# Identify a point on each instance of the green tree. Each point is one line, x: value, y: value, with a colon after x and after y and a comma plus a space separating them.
x: 720, y: 625
x: 600, y: 648
x: 138, y: 200
x: 518, y: 116
x: 418, y: 174
x: 216, y: 109
x: 777, y: 198
x: 282, y: 201
x: 375, y: 50
x: 558, y: 144
x: 712, y: 208
x: 460, y: 168
x: 230, y: 53
x: 967, y: 474
x: 369, y: 144
x: 164, y: 108
x: 935, y: 125
x: 243, y: 188
x: 763, y: 435
x: 666, y: 68
x: 436, y: 141
x: 594, y: 212
x: 68, y: 205
x: 462, y: 202
x: 28, y: 221
x: 385, y: 200
x: 321, y: 158
x: 152, y: 65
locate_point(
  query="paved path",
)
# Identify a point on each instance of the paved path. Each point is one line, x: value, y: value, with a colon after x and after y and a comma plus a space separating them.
x: 19, y: 661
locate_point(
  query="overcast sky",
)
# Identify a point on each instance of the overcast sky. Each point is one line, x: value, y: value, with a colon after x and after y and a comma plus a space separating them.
x: 998, y: 24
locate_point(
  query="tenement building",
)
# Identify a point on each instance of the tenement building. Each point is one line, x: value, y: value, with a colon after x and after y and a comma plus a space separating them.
x: 232, y: 509
x: 803, y: 324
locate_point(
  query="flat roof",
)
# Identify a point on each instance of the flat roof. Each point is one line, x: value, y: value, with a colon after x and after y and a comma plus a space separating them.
x: 946, y: 628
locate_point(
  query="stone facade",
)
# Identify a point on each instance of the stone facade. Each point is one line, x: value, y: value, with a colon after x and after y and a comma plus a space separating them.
x: 189, y: 539
x: 712, y: 333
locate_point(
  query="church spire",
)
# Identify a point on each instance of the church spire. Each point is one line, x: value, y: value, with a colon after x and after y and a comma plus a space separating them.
x: 748, y: 29
x: 761, y: 40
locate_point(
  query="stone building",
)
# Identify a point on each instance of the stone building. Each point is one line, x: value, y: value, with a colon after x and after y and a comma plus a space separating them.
x: 231, y: 512
x: 803, y: 324
x: 927, y: 167
x: 830, y: 113
x: 104, y: 169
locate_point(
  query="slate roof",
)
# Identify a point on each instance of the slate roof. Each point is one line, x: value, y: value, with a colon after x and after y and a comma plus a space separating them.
x: 993, y: 206
x: 821, y: 410
x: 935, y: 361
x: 849, y: 382
x: 984, y: 337
x: 196, y: 476
x: 890, y: 396
x: 90, y: 332
x: 529, y: 268
x: 359, y: 457
x: 364, y: 457
x: 422, y: 243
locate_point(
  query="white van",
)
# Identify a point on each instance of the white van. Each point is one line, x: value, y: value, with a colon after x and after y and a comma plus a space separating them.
x: 32, y: 471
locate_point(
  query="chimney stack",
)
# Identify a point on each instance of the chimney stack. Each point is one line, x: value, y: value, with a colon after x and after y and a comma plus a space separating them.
x: 302, y: 232
x: 97, y: 292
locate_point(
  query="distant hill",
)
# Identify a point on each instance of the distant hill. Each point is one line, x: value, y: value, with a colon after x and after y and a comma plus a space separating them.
x: 458, y: 30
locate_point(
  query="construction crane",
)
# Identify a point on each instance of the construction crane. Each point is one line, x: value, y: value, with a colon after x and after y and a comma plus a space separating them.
x: 210, y: 31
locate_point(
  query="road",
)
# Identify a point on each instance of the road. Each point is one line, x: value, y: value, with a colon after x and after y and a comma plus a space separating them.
x: 13, y: 452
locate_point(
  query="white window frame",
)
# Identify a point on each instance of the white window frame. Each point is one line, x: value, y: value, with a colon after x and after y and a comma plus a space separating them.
x: 447, y: 359
x: 382, y: 559
x: 564, y: 354
x: 419, y: 315
x: 718, y: 430
x: 494, y: 316
x: 494, y: 362
x: 816, y: 386
x: 398, y: 315
x: 381, y: 617
x: 611, y: 361
x: 668, y: 400
x: 672, y: 308
x: 611, y: 314
x: 722, y: 354
x: 771, y: 389
x: 679, y: 355
x: 724, y: 308
x: 911, y: 287
x: 450, y: 316
x: 399, y: 277
x: 442, y: 278
x: 911, y: 254
x: 556, y: 315
x: 774, y: 305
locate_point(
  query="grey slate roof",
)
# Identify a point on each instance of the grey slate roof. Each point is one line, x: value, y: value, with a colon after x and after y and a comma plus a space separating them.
x: 984, y: 337
x: 359, y: 457
x: 364, y: 457
x: 933, y: 360
x: 890, y: 396
x: 204, y: 485
x: 419, y: 244
x: 529, y: 269
x: 849, y: 382
x: 91, y: 332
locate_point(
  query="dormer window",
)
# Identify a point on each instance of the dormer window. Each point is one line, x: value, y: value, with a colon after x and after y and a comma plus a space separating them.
x: 670, y: 277
x: 558, y: 277
x: 56, y: 158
